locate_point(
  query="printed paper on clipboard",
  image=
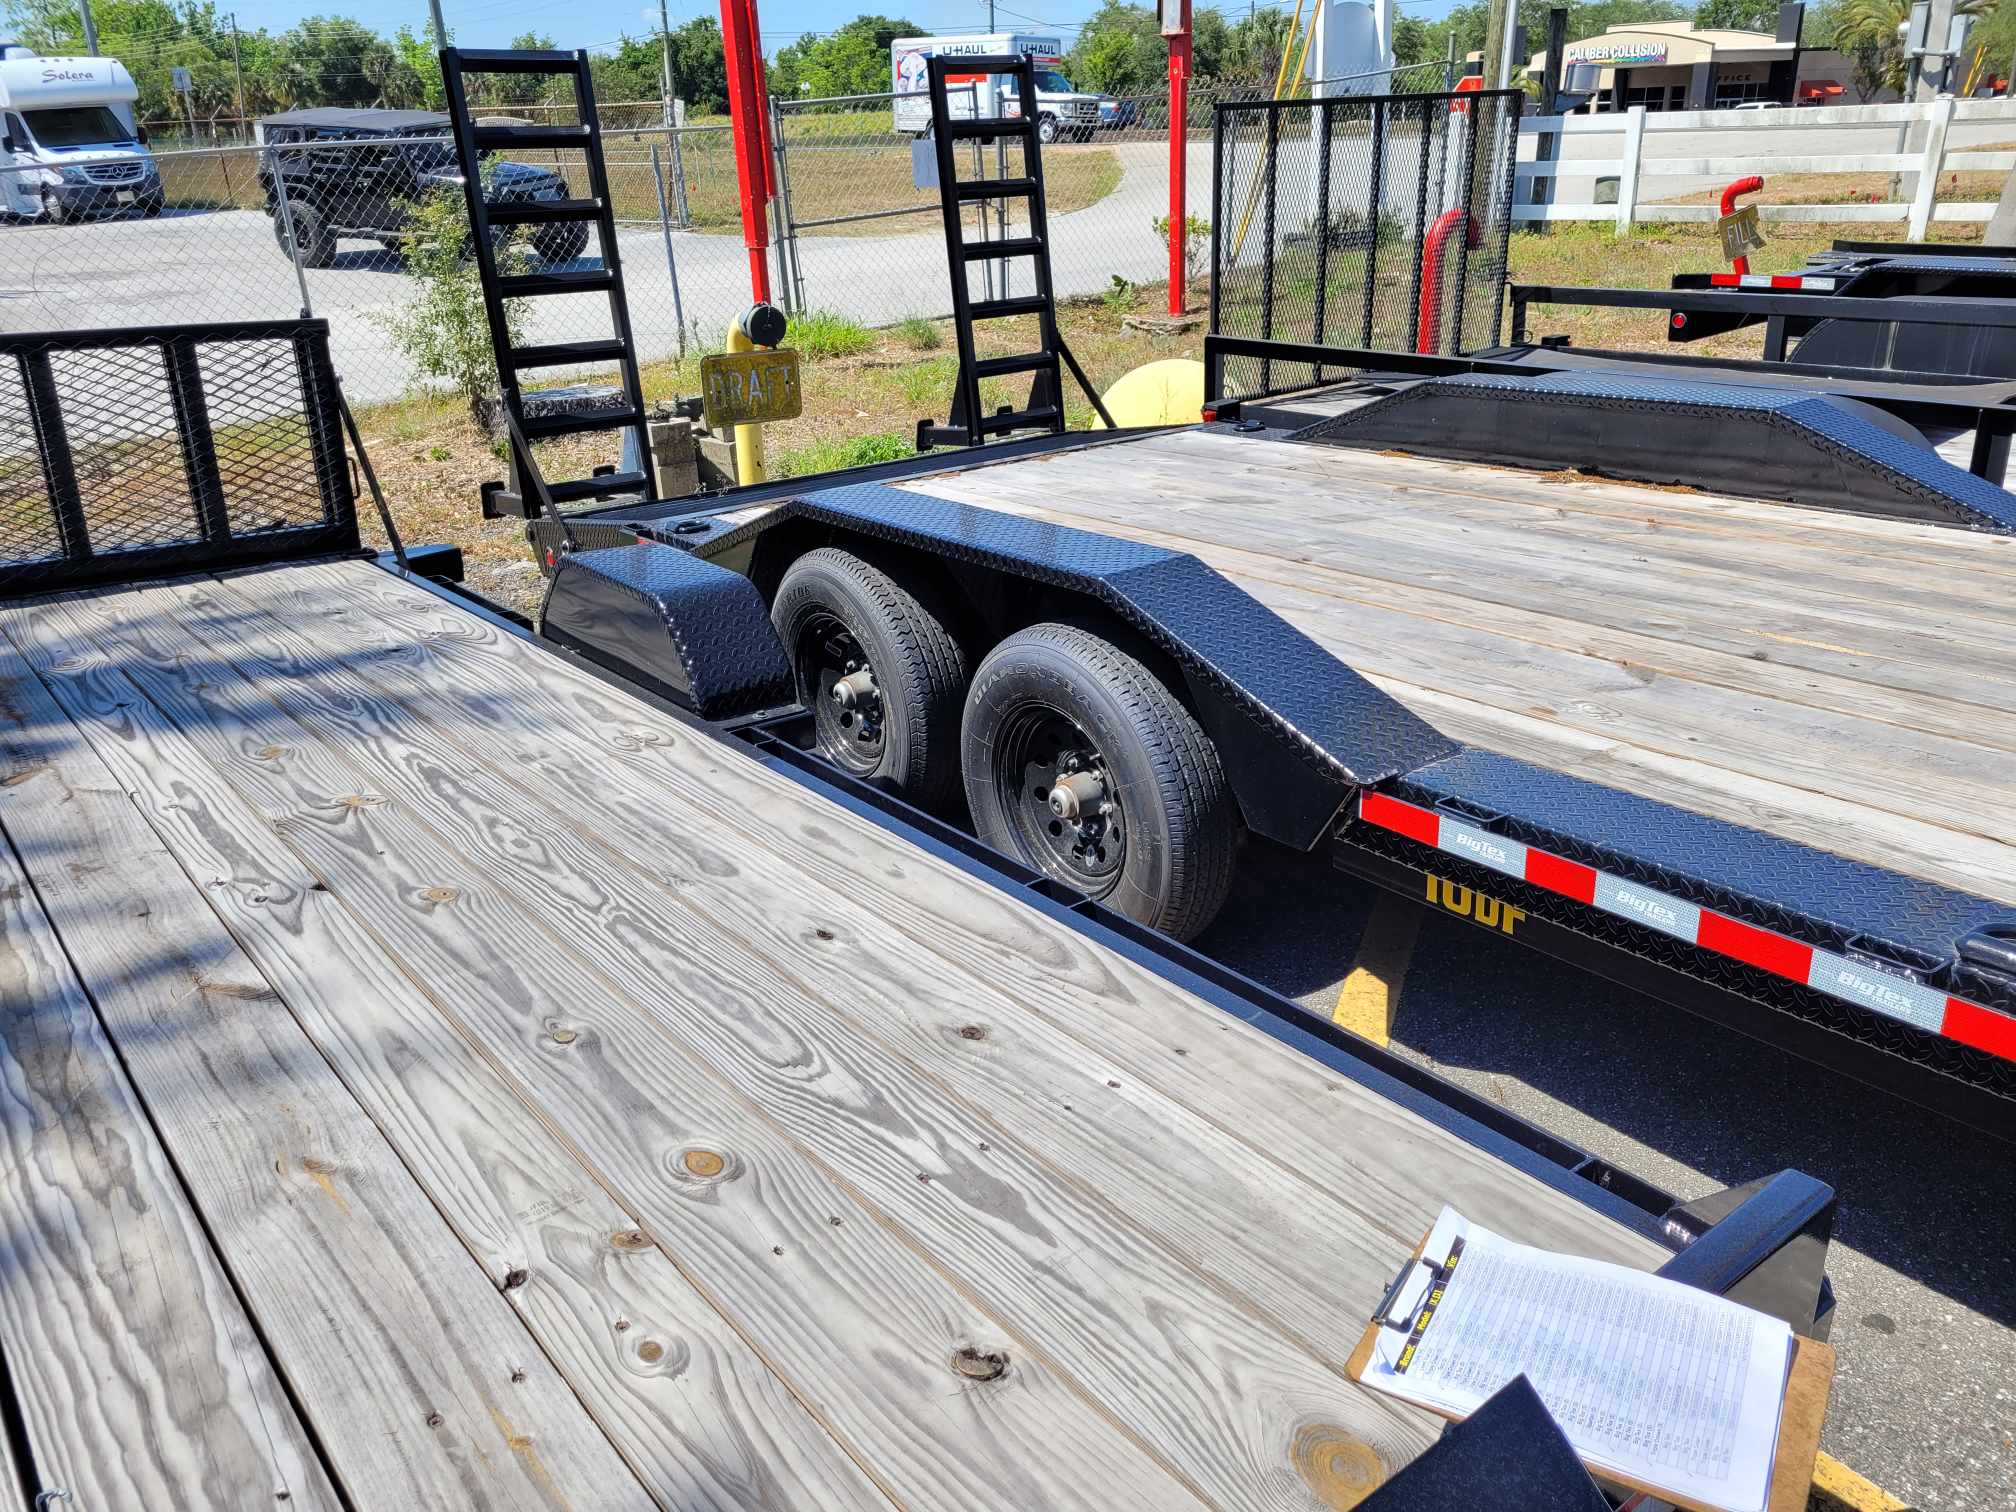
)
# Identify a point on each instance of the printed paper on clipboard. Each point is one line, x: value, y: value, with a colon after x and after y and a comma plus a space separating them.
x: 1659, y: 1382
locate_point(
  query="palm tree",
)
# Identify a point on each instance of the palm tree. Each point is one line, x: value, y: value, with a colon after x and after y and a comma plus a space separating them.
x: 1874, y: 25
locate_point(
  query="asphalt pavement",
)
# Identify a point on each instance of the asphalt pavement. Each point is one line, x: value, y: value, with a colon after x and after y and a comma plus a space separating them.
x: 226, y: 265
x: 1924, y: 1398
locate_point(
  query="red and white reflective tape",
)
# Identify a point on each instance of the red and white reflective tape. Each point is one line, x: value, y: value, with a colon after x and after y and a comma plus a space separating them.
x: 1851, y: 981
x: 1770, y: 281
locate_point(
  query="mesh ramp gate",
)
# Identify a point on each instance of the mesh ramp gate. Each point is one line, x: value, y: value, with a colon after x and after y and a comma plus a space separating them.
x: 167, y: 449
x: 1378, y: 222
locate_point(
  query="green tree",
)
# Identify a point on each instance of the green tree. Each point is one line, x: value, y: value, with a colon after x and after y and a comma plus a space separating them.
x: 1737, y: 15
x: 1253, y: 50
x: 1209, y: 39
x: 1867, y: 31
x: 1120, y: 51
x: 699, y: 67
x: 333, y: 60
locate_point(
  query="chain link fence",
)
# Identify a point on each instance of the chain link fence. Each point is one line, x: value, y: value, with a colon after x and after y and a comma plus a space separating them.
x: 326, y: 224
x: 326, y: 227
x: 1377, y: 222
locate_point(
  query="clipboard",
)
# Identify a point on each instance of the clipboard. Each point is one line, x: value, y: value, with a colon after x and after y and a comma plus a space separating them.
x: 1807, y: 1386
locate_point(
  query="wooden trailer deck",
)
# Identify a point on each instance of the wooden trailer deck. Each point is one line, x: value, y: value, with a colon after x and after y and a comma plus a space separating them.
x: 434, y: 1079
x: 1842, y: 681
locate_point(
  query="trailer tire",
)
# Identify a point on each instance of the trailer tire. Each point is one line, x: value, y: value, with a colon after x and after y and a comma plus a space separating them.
x: 1058, y: 697
x: 837, y: 614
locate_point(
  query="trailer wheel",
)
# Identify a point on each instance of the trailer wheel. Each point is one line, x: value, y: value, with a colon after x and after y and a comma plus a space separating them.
x: 878, y: 669
x: 1082, y: 764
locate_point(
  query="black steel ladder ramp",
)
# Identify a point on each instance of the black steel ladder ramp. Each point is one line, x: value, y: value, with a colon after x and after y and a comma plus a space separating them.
x: 491, y: 223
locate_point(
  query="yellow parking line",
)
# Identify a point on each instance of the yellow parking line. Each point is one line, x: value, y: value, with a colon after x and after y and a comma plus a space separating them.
x: 1371, y: 992
x: 1836, y: 1488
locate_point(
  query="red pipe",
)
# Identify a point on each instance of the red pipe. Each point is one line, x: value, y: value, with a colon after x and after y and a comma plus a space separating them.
x: 1179, y: 160
x: 741, y: 46
x: 1748, y: 185
x: 1428, y: 334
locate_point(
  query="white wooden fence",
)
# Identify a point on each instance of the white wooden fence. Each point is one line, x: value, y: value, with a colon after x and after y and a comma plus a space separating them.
x: 1763, y: 142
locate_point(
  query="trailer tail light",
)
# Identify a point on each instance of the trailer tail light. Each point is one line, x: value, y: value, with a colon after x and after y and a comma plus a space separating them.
x: 1847, y: 978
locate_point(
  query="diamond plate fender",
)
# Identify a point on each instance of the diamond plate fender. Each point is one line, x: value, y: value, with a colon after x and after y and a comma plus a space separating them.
x: 1757, y: 442
x: 691, y: 631
x: 1298, y: 729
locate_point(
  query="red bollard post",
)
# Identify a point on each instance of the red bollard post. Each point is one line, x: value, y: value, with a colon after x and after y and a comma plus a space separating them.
x: 1428, y: 332
x: 742, y: 47
x: 1179, y: 155
x: 1748, y: 185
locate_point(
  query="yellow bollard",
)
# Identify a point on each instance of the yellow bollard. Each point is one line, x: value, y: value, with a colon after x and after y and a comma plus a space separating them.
x: 760, y: 327
x: 748, y: 438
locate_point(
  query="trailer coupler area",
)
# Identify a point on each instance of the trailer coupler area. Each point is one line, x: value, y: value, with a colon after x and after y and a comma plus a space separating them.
x: 1753, y: 441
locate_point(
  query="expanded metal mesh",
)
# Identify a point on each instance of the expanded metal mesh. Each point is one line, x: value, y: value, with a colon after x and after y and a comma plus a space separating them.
x: 165, y: 449
x: 1378, y: 222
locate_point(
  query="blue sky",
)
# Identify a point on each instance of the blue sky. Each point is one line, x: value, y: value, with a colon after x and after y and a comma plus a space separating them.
x: 589, y: 23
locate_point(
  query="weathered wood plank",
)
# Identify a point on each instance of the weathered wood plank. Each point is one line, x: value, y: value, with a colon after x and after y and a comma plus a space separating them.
x: 778, y: 1015
x: 521, y: 707
x: 534, y: 1218
x: 1826, y: 674
x: 1433, y: 550
x: 1761, y: 521
x: 416, y: 1376
x: 139, y: 1378
x: 1280, y: 491
x: 866, y: 1331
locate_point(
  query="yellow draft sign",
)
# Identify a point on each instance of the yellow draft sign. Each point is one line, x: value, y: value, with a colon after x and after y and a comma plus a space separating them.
x: 1740, y: 235
x: 748, y: 388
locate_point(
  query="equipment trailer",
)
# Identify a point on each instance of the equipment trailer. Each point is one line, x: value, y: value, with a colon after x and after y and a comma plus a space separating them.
x: 443, y: 1071
x: 1751, y: 758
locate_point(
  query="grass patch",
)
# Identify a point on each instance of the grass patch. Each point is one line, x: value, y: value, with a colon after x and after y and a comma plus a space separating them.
x: 834, y: 454
x: 821, y: 333
x: 919, y: 333
x: 833, y: 173
x: 1649, y: 256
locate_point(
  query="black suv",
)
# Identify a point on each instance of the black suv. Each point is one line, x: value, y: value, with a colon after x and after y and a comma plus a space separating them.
x: 361, y: 191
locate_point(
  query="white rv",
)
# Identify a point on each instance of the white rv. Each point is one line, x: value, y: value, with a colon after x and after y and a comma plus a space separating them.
x: 68, y: 143
x: 1061, y: 111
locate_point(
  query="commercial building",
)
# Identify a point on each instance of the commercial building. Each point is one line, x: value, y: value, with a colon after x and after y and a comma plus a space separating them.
x: 1668, y: 65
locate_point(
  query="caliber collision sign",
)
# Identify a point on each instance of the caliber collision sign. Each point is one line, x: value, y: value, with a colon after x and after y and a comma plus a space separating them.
x: 747, y: 388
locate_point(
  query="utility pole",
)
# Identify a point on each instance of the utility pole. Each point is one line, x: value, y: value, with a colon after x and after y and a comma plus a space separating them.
x: 1934, y: 74
x: 1497, y: 35
x: 238, y: 70
x: 440, y: 27
x: 990, y: 15
x: 90, y: 28
x: 665, y: 59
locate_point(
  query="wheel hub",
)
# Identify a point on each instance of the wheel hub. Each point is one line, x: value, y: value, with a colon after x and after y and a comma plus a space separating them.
x: 1055, y: 788
x: 846, y: 699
